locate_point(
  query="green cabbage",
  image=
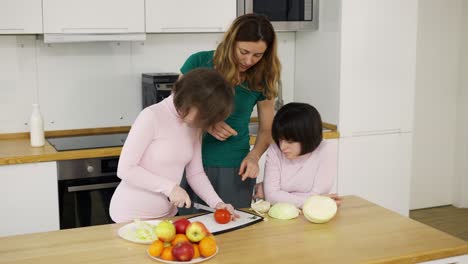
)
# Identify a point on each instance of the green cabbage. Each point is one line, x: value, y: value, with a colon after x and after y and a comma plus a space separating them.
x: 283, y: 211
x: 145, y: 231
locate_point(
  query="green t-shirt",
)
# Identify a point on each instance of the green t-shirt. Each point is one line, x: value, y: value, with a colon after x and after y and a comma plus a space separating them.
x: 231, y: 152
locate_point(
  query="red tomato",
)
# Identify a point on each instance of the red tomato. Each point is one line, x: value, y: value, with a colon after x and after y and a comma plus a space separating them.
x: 222, y: 216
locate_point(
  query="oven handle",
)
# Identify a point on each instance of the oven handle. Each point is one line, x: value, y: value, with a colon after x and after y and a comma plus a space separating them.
x: 92, y: 187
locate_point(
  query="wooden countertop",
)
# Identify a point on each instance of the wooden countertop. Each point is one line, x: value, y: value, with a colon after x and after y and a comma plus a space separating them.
x: 15, y: 148
x: 361, y: 232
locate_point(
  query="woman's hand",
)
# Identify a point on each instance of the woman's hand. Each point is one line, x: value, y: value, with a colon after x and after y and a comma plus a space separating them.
x: 249, y: 167
x: 221, y: 131
x: 228, y: 207
x: 179, y: 197
x: 338, y: 200
x: 258, y: 193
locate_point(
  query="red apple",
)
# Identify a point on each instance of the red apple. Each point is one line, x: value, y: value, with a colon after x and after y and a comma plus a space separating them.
x: 165, y: 231
x: 183, y: 251
x: 181, y: 225
x: 196, y: 231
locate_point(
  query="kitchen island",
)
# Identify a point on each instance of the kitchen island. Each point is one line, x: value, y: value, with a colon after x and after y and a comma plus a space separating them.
x: 361, y: 232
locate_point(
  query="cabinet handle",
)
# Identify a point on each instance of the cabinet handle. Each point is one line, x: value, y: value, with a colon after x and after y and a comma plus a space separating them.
x: 91, y: 187
x: 180, y: 29
x: 103, y: 30
x: 12, y: 29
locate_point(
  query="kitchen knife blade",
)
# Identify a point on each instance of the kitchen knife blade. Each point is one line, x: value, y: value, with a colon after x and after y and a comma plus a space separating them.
x: 203, y: 207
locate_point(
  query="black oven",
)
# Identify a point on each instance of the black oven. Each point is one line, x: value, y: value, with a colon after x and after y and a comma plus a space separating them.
x: 86, y: 187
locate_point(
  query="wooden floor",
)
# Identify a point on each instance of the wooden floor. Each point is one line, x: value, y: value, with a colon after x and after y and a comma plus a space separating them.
x: 449, y: 219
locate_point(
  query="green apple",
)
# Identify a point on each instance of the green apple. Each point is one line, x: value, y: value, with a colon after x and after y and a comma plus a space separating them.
x: 165, y: 231
x: 196, y: 231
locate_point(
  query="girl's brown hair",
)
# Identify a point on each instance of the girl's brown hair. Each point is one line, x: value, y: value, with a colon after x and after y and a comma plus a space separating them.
x: 207, y: 91
x: 264, y: 75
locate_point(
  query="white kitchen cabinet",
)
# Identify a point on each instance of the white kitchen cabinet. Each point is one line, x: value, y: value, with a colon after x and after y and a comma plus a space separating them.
x: 189, y: 15
x: 377, y: 71
x: 377, y: 168
x: 20, y: 17
x: 89, y: 16
x: 29, y: 198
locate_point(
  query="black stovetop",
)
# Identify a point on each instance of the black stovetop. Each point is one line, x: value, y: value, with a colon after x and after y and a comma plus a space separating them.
x: 88, y: 142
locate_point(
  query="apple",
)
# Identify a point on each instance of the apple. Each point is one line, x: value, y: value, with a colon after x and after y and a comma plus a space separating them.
x: 181, y: 225
x: 183, y: 251
x: 196, y: 231
x: 165, y: 231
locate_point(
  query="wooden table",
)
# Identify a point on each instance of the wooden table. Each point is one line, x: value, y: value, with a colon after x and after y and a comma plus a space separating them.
x: 361, y: 232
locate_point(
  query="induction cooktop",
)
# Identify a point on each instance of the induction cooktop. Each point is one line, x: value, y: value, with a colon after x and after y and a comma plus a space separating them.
x: 88, y: 142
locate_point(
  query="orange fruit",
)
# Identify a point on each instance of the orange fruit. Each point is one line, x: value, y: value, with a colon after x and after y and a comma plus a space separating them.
x: 179, y: 238
x: 196, y: 251
x: 156, y: 248
x: 207, y: 246
x: 167, y: 254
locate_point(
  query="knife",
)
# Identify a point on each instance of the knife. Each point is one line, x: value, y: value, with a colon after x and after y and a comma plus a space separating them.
x: 203, y: 207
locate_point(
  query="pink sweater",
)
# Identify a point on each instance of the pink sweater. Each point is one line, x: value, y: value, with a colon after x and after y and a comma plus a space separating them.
x: 293, y: 181
x: 157, y: 150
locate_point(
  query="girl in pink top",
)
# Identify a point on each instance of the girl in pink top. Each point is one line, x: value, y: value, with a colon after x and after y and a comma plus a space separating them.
x: 164, y: 140
x: 300, y: 163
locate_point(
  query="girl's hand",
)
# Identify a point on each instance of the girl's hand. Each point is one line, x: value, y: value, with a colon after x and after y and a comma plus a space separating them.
x: 258, y: 193
x: 228, y: 207
x: 179, y: 197
x: 249, y: 168
x: 221, y: 131
x: 334, y: 196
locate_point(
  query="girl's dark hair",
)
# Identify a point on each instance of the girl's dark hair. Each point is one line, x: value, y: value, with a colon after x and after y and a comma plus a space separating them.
x: 298, y: 122
x: 206, y: 90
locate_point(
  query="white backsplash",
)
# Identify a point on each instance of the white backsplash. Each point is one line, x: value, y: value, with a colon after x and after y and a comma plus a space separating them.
x: 85, y: 85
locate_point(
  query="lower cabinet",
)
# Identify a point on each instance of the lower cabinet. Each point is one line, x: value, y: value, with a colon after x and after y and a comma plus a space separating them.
x: 28, y: 198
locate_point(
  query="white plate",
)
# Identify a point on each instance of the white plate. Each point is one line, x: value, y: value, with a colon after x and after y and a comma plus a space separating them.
x: 197, y: 260
x: 127, y: 232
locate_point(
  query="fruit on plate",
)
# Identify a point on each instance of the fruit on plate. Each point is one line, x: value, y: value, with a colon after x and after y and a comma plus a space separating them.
x: 179, y: 238
x: 207, y: 246
x: 183, y: 251
x: 165, y: 231
x: 319, y: 209
x: 196, y: 231
x: 180, y: 225
x: 167, y: 254
x: 196, y: 250
x: 222, y: 216
x: 156, y: 248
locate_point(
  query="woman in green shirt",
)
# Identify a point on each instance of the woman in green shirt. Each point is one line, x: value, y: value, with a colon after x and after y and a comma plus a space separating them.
x: 247, y: 58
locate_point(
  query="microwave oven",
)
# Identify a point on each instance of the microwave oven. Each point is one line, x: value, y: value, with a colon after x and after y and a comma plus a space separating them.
x: 285, y: 15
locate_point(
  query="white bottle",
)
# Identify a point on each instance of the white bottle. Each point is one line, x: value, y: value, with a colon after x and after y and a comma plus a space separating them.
x: 36, y: 125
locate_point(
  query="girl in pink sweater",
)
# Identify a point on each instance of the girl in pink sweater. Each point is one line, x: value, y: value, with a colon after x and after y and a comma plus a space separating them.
x: 163, y: 141
x: 300, y: 163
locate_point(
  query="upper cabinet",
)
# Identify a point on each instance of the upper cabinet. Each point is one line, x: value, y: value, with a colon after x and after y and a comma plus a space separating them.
x: 20, y: 17
x: 189, y: 15
x: 89, y: 16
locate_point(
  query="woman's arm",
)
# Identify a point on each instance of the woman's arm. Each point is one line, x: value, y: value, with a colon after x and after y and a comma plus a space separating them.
x: 266, y: 112
x: 129, y: 169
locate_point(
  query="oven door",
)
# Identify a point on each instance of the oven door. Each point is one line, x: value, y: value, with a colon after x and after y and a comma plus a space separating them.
x: 85, y: 202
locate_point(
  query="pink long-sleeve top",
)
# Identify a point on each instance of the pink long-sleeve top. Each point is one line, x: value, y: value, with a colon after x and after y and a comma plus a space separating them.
x: 158, y: 148
x: 294, y: 180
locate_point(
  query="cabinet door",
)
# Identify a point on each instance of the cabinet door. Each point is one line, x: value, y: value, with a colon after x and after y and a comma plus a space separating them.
x: 189, y: 15
x: 20, y: 17
x: 376, y: 168
x: 29, y: 198
x: 378, y: 61
x: 89, y: 16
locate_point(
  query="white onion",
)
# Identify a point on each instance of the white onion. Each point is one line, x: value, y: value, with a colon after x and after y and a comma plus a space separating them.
x: 319, y: 209
x: 261, y: 206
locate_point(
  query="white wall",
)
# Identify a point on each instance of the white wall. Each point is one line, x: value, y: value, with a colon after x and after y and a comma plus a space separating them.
x: 461, y: 148
x: 437, y: 82
x: 83, y: 85
x: 318, y: 63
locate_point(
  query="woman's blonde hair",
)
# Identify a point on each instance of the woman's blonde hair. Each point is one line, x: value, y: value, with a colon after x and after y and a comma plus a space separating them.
x: 263, y: 76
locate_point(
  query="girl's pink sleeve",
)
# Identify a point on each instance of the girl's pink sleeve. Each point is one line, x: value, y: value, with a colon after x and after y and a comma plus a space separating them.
x: 272, y: 181
x: 197, y: 179
x: 327, y: 170
x: 129, y: 170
